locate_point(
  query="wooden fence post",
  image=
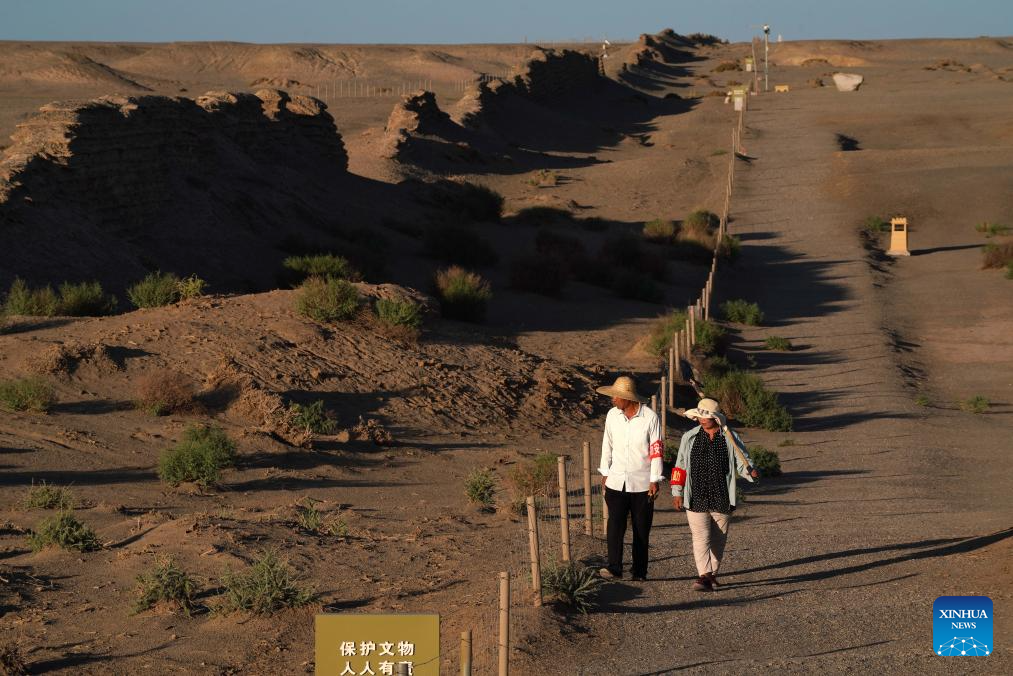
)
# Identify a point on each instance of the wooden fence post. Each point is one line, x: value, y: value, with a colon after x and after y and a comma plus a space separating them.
x: 536, y: 562
x: 671, y: 373
x: 564, y: 510
x: 504, y: 624
x: 586, y: 452
x: 664, y: 406
x: 677, y: 356
x: 403, y: 669
x: 466, y: 653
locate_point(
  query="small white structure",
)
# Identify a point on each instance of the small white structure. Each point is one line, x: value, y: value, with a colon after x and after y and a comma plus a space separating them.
x: 848, y: 82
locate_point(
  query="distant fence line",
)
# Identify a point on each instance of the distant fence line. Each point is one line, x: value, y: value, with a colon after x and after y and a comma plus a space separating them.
x: 369, y: 88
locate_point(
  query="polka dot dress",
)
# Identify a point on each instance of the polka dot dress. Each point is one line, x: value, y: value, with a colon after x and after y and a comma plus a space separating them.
x: 708, y: 467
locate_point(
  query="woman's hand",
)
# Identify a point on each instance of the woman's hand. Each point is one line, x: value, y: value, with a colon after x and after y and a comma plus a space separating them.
x: 677, y: 503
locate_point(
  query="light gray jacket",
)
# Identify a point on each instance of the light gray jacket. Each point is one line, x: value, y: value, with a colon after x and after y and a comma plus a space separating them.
x: 735, y: 466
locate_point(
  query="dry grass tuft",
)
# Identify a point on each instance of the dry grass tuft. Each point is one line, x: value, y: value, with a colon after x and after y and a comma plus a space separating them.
x: 165, y: 391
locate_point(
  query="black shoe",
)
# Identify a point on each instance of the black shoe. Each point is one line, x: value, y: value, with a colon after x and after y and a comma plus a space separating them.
x: 640, y: 578
x: 703, y: 584
x: 713, y: 580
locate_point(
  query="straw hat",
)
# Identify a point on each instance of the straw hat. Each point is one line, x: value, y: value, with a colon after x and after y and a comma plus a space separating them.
x: 625, y: 388
x: 707, y: 408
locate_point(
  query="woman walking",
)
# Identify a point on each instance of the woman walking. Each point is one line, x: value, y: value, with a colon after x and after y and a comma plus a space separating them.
x: 710, y: 458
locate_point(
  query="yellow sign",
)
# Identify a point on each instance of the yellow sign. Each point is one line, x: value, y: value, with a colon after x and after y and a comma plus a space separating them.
x: 781, y: 88
x: 376, y: 645
x: 898, y: 237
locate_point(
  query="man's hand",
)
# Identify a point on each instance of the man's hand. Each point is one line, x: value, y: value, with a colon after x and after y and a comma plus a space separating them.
x: 753, y: 473
x: 677, y: 503
x: 652, y: 490
x: 603, y: 479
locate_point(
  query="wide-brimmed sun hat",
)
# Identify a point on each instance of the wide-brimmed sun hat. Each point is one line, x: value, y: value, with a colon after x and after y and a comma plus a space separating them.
x: 625, y: 388
x: 707, y: 408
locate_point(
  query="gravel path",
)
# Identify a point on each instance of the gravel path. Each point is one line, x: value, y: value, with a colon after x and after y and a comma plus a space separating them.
x: 835, y: 565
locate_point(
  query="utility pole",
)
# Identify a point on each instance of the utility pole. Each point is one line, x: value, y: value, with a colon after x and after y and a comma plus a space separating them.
x: 766, y: 55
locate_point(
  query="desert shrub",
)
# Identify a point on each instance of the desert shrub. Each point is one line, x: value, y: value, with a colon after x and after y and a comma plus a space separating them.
x: 269, y: 585
x: 567, y: 251
x: 296, y: 269
x: 190, y: 287
x: 538, y: 216
x: 636, y: 286
x: 726, y: 66
x: 997, y: 254
x: 778, y: 344
x: 671, y: 451
x: 155, y: 290
x: 47, y: 496
x: 708, y: 336
x: 699, y: 223
x: 975, y: 404
x: 458, y: 245
x: 663, y: 332
x: 742, y: 312
x: 65, y: 531
x: 745, y: 397
x: 165, y: 582
x: 992, y: 229
x: 21, y: 300
x: 534, y: 476
x: 312, y: 417
x: 85, y: 300
x: 480, y: 487
x: 544, y: 178
x: 26, y: 394
x: 539, y: 274
x: 765, y: 460
x: 310, y: 520
x: 659, y: 230
x: 463, y: 295
x: 199, y: 457
x: 787, y: 442
x: 469, y: 200
x: 399, y: 311
x: 572, y: 583
x: 875, y: 225
x: 327, y: 300
x: 166, y: 391
x: 923, y: 400
x: 730, y: 247
x: 12, y: 660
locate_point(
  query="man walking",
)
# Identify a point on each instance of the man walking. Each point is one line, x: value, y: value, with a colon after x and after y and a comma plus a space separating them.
x: 710, y: 458
x: 631, y: 473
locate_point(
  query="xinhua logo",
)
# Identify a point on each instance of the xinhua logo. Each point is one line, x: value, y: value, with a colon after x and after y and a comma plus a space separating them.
x: 962, y: 626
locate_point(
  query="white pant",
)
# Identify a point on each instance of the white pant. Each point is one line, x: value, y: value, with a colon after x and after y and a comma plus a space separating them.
x: 710, y: 532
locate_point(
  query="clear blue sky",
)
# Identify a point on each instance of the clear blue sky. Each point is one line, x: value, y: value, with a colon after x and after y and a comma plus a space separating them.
x: 448, y: 21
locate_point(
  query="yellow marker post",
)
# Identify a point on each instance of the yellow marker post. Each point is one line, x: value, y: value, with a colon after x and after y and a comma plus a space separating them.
x: 898, y: 237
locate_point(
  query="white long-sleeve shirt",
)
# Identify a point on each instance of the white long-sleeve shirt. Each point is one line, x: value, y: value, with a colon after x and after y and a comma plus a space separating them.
x: 631, y: 450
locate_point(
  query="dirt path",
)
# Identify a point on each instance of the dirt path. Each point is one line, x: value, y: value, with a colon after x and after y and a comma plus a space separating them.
x: 836, y: 564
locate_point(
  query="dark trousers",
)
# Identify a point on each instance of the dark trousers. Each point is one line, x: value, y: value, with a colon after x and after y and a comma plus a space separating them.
x: 623, y: 505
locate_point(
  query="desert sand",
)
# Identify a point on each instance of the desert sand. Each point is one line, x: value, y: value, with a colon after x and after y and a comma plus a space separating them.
x: 220, y: 159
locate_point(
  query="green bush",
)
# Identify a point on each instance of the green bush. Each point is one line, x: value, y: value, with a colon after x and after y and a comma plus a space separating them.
x: 535, y: 476
x: 730, y: 248
x: 22, y: 300
x: 327, y: 300
x: 155, y: 290
x: 469, y: 200
x: 875, y: 225
x: 191, y: 287
x: 65, y: 531
x: 726, y: 66
x: 85, y: 300
x: 923, y: 400
x: 26, y: 394
x: 778, y: 344
x: 742, y: 312
x: 458, y: 245
x: 767, y: 461
x: 399, y: 312
x: 659, y: 230
x: 312, y: 417
x: 47, y: 496
x: 298, y: 268
x: 572, y: 583
x: 976, y: 404
x: 699, y: 222
x: 539, y: 274
x: 745, y: 397
x: 708, y: 336
x: 663, y: 332
x: 269, y: 585
x: 671, y: 451
x: 199, y: 457
x: 463, y: 295
x: 310, y: 520
x: 165, y: 582
x: 539, y: 216
x: 992, y: 229
x: 997, y: 255
x: 480, y: 487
